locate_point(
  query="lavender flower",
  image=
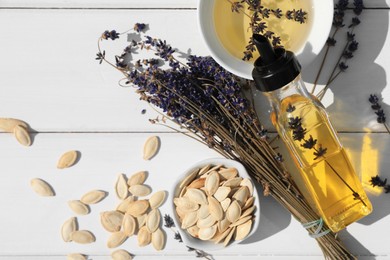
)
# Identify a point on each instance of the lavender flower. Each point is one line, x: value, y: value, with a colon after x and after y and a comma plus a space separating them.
x: 375, y: 105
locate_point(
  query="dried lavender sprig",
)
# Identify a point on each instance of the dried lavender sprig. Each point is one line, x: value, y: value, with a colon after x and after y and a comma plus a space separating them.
x: 259, y: 13
x: 350, y: 46
x: 338, y: 22
x: 381, y: 117
x: 377, y: 181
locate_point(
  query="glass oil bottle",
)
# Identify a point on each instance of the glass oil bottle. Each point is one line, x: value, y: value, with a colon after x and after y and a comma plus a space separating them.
x: 304, y: 126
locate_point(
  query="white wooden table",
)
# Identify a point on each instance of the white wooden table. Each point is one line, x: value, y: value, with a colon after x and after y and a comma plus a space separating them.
x: 49, y: 78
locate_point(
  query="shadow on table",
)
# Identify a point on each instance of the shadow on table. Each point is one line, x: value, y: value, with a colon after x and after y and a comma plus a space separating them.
x: 273, y: 218
x: 350, y: 109
x: 350, y: 242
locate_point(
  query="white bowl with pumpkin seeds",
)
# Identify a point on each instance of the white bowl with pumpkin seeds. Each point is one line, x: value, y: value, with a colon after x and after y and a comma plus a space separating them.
x: 215, y: 204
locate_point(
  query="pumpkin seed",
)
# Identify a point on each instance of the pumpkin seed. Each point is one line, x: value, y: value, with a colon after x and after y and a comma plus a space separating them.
x: 41, y: 187
x: 158, y: 240
x: 140, y: 190
x: 234, y: 182
x: 68, y: 228
x: 78, y: 207
x: 193, y: 231
x: 141, y: 220
x: 189, y: 178
x: 124, y: 205
x: 151, y: 147
x: 206, y: 222
x: 225, y: 204
x: 221, y: 236
x: 228, y: 173
x: 9, y: 124
x: 189, y: 220
x: 93, y: 197
x: 233, y: 213
x: 116, y: 239
x: 222, y: 193
x: 22, y: 135
x: 76, y: 256
x: 185, y: 204
x: 121, y: 187
x: 241, y: 221
x: 153, y: 220
x: 212, y: 183
x: 196, y: 195
x: 247, y: 212
x: 229, y: 237
x: 203, y: 211
x: 144, y: 237
x: 181, y: 213
x: 128, y: 225
x: 121, y: 254
x: 82, y: 237
x: 248, y: 203
x: 241, y: 195
x: 207, y: 233
x: 197, y: 183
x: 223, y: 225
x: 243, y: 230
x: 111, y: 220
x: 248, y: 183
x: 138, y: 207
x: 67, y: 160
x: 157, y: 199
x: 137, y: 178
x: 204, y: 169
x: 214, y: 168
x: 215, y: 208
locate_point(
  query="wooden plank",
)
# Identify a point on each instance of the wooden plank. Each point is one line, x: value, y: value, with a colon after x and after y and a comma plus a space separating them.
x: 31, y: 224
x: 132, y: 4
x: 49, y: 76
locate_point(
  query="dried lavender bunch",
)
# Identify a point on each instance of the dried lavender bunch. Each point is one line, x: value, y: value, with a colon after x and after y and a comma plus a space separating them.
x: 349, y: 48
x: 381, y: 117
x: 208, y: 102
x: 258, y: 14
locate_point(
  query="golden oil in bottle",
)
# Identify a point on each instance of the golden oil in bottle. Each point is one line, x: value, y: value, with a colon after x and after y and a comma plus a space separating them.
x: 234, y: 32
x: 304, y: 126
x: 336, y: 189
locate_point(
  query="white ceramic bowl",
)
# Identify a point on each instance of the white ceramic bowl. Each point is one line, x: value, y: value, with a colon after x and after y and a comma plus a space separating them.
x: 209, y: 245
x: 319, y: 31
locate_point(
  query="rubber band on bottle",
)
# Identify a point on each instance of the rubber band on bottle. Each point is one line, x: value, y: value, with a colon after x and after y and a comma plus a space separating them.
x: 317, y: 233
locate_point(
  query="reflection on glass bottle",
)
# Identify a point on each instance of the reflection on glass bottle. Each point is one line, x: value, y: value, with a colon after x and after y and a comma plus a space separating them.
x: 304, y: 126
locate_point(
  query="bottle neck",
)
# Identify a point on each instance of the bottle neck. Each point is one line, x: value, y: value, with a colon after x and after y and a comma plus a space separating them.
x: 295, y: 87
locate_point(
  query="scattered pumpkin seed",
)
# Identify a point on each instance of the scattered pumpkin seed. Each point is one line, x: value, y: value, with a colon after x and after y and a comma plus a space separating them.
x: 78, y: 207
x: 22, y: 135
x: 82, y: 237
x: 93, y: 197
x: 41, y: 187
x: 68, y: 228
x: 151, y: 147
x: 67, y: 160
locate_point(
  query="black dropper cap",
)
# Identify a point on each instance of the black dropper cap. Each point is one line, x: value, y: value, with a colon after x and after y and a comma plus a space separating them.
x: 274, y: 68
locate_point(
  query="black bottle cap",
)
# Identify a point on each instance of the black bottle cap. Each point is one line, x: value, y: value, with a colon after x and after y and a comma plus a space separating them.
x: 274, y: 68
